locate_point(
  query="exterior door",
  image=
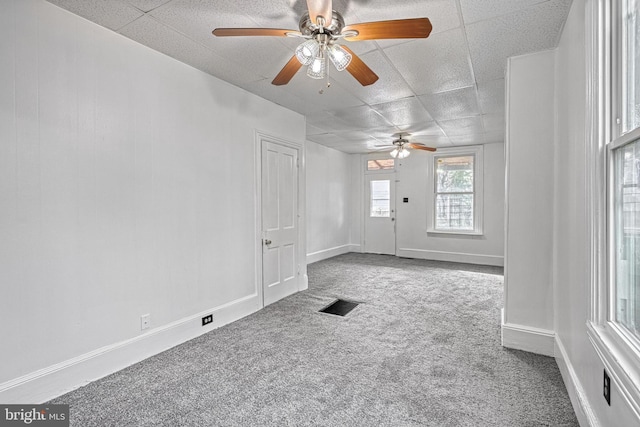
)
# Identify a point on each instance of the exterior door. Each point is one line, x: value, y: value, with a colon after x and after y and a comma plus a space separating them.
x: 280, y: 271
x: 380, y: 216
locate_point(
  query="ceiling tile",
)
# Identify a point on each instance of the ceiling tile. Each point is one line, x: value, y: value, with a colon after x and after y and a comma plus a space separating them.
x: 474, y: 10
x: 360, y: 117
x: 310, y: 90
x: 389, y: 86
x: 312, y: 130
x: 443, y: 14
x: 466, y: 126
x: 403, y: 112
x: 424, y: 129
x: 278, y: 95
x: 452, y: 104
x: 147, y: 5
x: 491, y: 96
x: 151, y: 33
x: 437, y: 64
x: 533, y: 29
x: 324, y: 138
x: 493, y: 122
x: 114, y: 14
x: 328, y: 123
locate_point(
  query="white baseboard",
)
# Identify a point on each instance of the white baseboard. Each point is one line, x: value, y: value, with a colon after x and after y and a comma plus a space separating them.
x: 53, y: 381
x: 527, y: 338
x: 328, y: 253
x: 494, y: 260
x: 579, y: 401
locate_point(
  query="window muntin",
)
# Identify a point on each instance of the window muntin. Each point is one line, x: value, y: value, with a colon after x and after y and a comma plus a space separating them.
x: 380, y: 206
x: 454, y: 193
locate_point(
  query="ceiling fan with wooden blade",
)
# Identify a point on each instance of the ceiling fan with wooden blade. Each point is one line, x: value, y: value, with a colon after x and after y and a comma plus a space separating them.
x: 322, y: 27
x: 401, y: 146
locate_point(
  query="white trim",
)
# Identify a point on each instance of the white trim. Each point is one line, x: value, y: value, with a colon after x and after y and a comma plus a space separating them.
x: 620, y: 363
x: 55, y: 380
x: 495, y: 260
x: 355, y: 248
x: 528, y: 338
x: 327, y: 253
x: 579, y: 400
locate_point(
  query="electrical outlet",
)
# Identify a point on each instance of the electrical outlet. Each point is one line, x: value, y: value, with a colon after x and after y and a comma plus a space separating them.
x: 207, y: 319
x: 145, y: 322
x: 606, y: 389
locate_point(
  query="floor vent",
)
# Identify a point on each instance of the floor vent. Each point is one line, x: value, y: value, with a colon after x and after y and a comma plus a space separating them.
x: 340, y: 307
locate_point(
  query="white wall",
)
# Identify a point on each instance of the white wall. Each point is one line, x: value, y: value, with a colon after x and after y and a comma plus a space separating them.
x: 576, y: 356
x: 127, y: 186
x: 412, y: 239
x: 529, y: 213
x: 328, y: 202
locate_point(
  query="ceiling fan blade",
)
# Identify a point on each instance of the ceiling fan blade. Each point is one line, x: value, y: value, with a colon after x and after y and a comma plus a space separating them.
x: 276, y: 32
x: 416, y: 146
x: 416, y: 28
x: 358, y: 69
x: 287, y: 72
x: 322, y: 8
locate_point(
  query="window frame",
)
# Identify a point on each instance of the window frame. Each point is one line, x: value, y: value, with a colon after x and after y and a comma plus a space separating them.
x: 475, y: 151
x: 618, y: 350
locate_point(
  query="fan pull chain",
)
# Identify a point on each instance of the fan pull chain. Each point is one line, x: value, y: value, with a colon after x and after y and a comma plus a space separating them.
x: 321, y: 91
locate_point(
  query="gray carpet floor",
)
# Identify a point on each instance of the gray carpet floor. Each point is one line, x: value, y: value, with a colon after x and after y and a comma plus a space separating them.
x: 422, y: 349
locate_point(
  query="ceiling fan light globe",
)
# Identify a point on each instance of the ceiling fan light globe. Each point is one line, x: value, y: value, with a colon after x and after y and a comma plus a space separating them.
x: 307, y: 51
x: 403, y: 153
x: 394, y: 153
x: 339, y: 57
x: 317, y: 69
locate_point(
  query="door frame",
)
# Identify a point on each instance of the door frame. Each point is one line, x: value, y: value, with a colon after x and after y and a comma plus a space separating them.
x: 303, y: 280
x: 364, y: 202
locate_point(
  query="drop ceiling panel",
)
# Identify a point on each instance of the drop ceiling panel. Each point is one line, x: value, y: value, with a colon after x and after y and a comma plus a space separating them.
x: 474, y: 10
x: 114, y: 14
x: 452, y: 104
x: 361, y: 117
x: 466, y: 126
x: 151, y: 33
x: 491, y: 96
x: 532, y: 29
x: 147, y: 5
x: 403, y: 112
x: 389, y: 86
x: 457, y: 71
x: 437, y: 64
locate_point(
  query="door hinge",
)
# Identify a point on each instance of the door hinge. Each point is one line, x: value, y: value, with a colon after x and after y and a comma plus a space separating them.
x: 297, y: 162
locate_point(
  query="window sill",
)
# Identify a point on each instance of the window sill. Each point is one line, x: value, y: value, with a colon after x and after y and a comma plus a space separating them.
x: 620, y: 361
x: 456, y: 232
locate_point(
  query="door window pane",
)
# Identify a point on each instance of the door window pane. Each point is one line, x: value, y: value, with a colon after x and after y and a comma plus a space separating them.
x: 381, y: 198
x: 626, y: 199
x: 631, y: 67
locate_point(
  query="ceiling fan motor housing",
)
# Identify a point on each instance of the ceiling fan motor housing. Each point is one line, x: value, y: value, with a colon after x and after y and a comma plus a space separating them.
x: 308, y: 28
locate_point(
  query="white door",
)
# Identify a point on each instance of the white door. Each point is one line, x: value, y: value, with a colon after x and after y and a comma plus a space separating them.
x: 380, y: 214
x: 279, y: 221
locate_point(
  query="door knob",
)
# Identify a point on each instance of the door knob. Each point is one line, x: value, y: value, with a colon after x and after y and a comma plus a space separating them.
x: 393, y: 219
x: 267, y: 242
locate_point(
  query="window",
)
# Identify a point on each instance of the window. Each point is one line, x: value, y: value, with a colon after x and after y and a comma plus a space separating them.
x: 457, y: 191
x: 380, y: 199
x: 380, y: 164
x: 614, y: 189
x: 626, y: 237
